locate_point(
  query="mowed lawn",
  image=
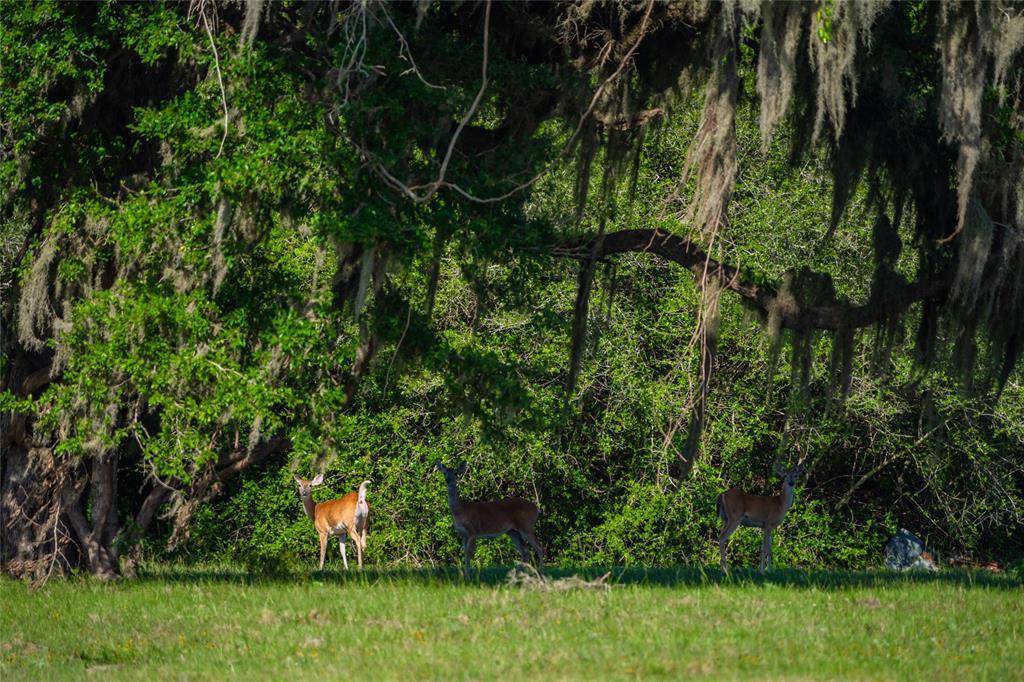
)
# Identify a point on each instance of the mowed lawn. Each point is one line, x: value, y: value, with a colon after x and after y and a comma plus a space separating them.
x: 658, y: 623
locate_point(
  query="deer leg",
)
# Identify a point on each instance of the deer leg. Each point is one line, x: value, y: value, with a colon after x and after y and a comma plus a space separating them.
x: 728, y: 528
x: 341, y: 544
x: 323, y: 549
x: 517, y: 540
x: 468, y: 547
x: 537, y: 549
x: 359, y: 549
x: 766, y: 548
x: 359, y: 530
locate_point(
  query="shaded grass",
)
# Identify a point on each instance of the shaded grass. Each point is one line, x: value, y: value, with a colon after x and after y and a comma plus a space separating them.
x: 676, y: 576
x: 387, y: 624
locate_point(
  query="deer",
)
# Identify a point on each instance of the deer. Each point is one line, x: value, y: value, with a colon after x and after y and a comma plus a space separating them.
x: 512, y: 516
x: 347, y: 515
x: 737, y: 508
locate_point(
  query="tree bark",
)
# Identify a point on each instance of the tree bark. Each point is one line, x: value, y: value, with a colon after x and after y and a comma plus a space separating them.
x: 35, y: 539
x: 435, y: 274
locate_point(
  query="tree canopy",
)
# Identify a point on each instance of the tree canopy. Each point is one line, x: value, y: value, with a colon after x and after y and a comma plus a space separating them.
x: 239, y: 234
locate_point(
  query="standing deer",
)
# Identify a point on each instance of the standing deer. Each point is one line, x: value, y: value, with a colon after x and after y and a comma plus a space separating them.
x: 512, y: 516
x: 347, y: 515
x: 737, y: 508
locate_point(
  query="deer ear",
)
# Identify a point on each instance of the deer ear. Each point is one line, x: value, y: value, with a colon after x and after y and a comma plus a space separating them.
x: 318, y: 480
x: 799, y: 469
x: 297, y: 480
x: 439, y: 466
x: 462, y: 469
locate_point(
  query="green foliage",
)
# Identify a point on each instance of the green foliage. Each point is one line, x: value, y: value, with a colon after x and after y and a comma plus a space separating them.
x: 62, y: 49
x: 249, y: 531
x: 823, y: 18
x: 203, y: 300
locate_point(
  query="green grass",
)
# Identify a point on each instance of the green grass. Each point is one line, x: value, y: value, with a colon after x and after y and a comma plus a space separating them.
x: 657, y: 623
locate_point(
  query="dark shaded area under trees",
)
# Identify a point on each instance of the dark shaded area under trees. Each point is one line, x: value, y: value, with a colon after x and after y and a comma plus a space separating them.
x: 236, y: 237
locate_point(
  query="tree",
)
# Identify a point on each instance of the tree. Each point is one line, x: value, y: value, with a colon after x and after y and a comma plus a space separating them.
x: 207, y: 210
x: 922, y: 102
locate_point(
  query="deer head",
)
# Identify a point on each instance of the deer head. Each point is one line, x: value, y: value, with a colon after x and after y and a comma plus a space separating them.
x: 451, y: 475
x: 305, y: 487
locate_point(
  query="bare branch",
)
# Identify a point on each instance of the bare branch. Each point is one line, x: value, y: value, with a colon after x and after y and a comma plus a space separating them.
x: 642, y: 32
x: 200, y: 7
x: 355, y: 49
x: 439, y: 182
x: 407, y: 52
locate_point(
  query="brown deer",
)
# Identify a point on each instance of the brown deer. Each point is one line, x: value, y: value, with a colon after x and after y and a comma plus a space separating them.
x: 737, y: 508
x: 347, y: 515
x: 512, y: 516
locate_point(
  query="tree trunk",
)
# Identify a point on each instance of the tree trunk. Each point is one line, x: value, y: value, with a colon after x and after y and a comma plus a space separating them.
x: 581, y: 311
x: 435, y: 274
x: 97, y: 534
x: 35, y: 539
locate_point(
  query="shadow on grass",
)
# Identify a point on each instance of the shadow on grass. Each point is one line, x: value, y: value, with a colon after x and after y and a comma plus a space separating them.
x: 619, y: 576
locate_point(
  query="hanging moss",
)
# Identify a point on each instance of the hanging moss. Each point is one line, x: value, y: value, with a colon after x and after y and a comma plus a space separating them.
x: 776, y: 65
x: 712, y: 155
x: 963, y: 81
x: 839, y: 29
x: 975, y: 249
x: 974, y: 38
x: 707, y: 336
x: 36, y: 314
x: 841, y: 364
x: 220, y: 225
x: 251, y: 24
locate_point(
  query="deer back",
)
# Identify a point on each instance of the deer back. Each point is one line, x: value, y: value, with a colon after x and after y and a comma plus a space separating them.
x: 333, y: 515
x: 761, y: 510
x: 498, y: 516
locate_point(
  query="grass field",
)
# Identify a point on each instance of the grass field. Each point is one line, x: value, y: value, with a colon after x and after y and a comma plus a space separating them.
x: 658, y: 623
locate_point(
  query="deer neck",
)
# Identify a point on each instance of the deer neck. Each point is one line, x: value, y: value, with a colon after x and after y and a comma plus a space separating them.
x: 310, y: 507
x: 454, y: 503
x: 787, y: 497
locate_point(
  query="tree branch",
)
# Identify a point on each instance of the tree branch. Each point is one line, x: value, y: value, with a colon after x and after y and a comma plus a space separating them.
x: 835, y: 315
x: 156, y: 497
x: 227, y: 466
